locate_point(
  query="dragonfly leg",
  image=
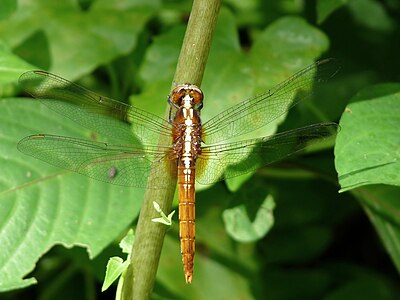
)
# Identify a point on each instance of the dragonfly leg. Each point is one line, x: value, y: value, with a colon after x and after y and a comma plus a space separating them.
x: 172, y: 105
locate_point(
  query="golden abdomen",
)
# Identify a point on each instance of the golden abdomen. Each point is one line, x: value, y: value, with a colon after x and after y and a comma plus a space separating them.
x: 186, y: 193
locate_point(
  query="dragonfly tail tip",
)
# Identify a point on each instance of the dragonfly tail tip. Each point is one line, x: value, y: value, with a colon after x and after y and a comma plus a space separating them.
x: 188, y: 278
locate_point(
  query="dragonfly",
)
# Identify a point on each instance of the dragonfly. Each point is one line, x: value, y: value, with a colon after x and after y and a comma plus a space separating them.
x: 139, y: 141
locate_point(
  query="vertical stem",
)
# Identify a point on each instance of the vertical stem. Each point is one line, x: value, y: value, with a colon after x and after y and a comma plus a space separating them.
x: 197, y: 42
x: 149, y: 236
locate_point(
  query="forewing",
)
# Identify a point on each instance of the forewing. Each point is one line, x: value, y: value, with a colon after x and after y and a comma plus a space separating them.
x: 218, y: 162
x: 120, y: 122
x: 116, y: 164
x: 259, y: 111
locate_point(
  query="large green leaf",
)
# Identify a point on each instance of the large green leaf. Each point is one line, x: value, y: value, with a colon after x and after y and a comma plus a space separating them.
x: 284, y: 47
x: 277, y: 53
x: 41, y: 206
x: 77, y: 41
x: 367, y: 146
x: 367, y: 153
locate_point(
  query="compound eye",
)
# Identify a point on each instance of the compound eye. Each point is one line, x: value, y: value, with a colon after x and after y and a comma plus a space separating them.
x: 196, y: 94
x: 177, y: 94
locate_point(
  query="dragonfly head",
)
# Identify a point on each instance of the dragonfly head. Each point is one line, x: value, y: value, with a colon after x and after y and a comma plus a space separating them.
x: 184, y: 93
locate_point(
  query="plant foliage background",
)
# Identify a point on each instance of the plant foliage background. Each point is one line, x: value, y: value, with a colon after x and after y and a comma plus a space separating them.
x: 282, y: 233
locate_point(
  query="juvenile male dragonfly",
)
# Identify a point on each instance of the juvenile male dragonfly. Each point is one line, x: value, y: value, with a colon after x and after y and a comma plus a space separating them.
x: 132, y: 148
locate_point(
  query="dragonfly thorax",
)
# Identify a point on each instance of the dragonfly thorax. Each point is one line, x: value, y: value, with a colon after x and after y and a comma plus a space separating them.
x: 186, y: 133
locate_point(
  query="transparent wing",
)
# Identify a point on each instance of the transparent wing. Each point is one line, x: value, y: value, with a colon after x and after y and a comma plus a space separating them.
x: 118, y: 121
x: 256, y: 112
x: 218, y: 162
x: 116, y: 164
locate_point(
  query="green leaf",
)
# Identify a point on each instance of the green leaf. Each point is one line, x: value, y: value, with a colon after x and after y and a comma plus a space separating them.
x: 127, y: 242
x: 367, y: 153
x: 164, y: 219
x: 278, y: 52
x: 245, y: 228
x: 41, y: 206
x: 115, y: 267
x: 226, y: 81
x: 326, y: 7
x: 282, y: 49
x: 367, y: 146
x: 107, y: 30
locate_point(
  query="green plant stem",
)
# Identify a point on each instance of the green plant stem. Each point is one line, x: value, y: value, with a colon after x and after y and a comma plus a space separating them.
x: 149, y: 236
x: 197, y: 42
